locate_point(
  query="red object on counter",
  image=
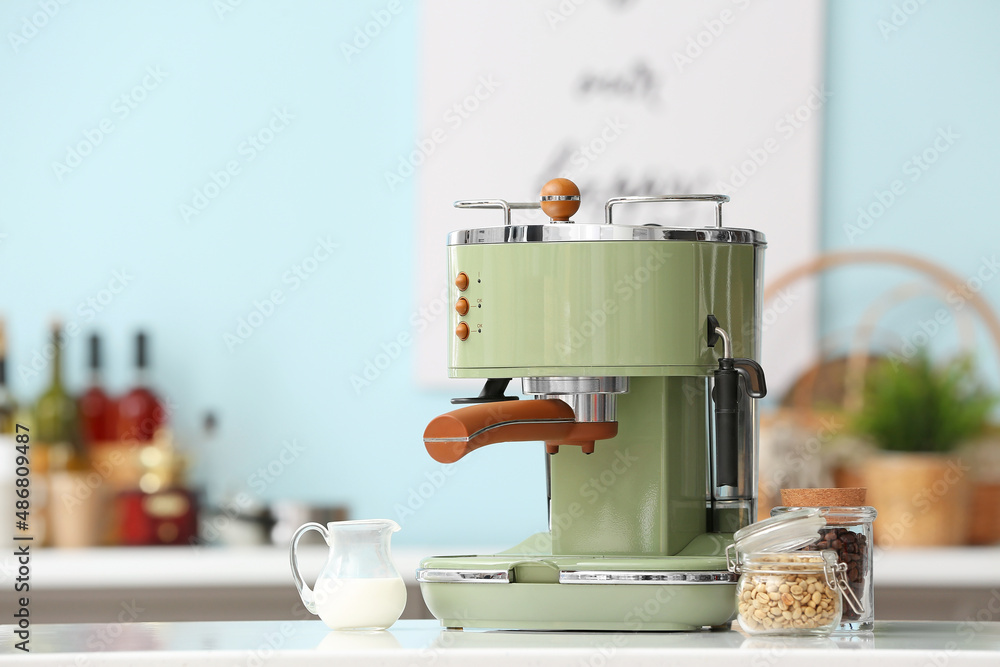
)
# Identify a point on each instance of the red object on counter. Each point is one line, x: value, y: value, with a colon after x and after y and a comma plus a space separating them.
x: 98, y: 418
x: 162, y: 518
x: 140, y: 412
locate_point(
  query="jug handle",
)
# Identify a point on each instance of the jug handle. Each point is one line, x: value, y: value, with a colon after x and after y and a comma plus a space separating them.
x: 306, y: 593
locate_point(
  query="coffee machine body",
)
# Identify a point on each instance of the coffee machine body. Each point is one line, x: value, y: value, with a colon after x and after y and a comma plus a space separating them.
x: 611, y: 330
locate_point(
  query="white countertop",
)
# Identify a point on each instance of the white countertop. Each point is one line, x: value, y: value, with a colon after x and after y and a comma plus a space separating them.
x: 892, y: 644
x: 186, y: 567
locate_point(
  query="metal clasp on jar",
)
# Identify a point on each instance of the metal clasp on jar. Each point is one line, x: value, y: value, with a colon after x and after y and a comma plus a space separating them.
x: 732, y: 559
x: 836, y: 578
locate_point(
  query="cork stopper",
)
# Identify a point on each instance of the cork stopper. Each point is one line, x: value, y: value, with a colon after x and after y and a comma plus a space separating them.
x: 849, y: 497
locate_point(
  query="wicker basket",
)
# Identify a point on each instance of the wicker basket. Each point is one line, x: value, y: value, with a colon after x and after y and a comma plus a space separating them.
x: 833, y: 389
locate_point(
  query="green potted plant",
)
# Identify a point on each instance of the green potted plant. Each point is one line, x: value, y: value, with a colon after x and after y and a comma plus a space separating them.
x: 918, y: 414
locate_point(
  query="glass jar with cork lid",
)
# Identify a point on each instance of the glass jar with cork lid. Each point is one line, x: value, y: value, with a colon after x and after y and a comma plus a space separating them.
x: 782, y: 590
x: 848, y: 532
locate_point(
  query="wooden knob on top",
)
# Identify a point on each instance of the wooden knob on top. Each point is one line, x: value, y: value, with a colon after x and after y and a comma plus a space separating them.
x: 560, y: 199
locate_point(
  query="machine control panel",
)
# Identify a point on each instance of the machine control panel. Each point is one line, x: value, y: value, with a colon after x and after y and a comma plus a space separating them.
x: 463, y: 306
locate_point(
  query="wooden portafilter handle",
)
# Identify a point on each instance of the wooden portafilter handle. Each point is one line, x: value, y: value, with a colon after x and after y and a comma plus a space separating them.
x: 451, y: 436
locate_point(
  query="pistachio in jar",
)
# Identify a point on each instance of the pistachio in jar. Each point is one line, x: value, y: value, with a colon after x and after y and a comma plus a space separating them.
x: 785, y: 593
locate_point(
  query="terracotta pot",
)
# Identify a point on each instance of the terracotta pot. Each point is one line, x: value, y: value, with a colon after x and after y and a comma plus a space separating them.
x: 922, y: 499
x: 985, y: 514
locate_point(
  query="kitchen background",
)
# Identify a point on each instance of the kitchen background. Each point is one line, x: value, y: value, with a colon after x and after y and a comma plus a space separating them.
x: 213, y: 173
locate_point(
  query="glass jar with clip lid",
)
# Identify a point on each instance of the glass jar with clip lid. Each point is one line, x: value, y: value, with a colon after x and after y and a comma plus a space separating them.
x: 782, y: 590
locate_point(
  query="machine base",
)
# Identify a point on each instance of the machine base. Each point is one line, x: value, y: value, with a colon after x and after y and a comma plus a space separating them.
x: 523, y: 592
x: 546, y: 607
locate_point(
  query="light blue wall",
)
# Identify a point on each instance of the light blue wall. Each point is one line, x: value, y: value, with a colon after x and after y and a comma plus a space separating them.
x: 894, y: 90
x: 192, y: 281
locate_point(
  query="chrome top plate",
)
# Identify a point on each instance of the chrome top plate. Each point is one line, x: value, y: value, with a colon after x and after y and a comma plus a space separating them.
x: 567, y: 232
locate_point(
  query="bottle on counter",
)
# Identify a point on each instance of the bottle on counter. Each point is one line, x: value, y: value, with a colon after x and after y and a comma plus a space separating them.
x: 98, y: 417
x: 8, y: 407
x: 71, y: 510
x: 56, y: 414
x: 140, y: 411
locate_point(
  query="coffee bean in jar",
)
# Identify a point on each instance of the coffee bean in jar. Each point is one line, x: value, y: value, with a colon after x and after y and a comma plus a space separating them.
x: 851, y: 549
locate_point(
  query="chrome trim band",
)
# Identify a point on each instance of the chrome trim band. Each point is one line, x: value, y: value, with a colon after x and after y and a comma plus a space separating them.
x: 560, y: 197
x: 590, y: 407
x: 654, y: 577
x: 512, y: 422
x: 571, y: 384
x: 443, y: 576
x: 557, y: 233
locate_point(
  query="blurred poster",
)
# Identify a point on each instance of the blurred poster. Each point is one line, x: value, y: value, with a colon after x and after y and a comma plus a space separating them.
x: 625, y: 97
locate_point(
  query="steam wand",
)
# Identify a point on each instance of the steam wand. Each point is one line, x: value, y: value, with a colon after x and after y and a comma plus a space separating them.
x: 727, y: 402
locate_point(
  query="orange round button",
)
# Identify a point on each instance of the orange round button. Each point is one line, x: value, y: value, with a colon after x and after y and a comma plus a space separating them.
x: 462, y: 281
x: 462, y: 330
x: 462, y: 306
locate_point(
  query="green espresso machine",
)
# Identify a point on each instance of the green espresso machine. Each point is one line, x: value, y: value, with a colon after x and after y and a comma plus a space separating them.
x: 634, y: 346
